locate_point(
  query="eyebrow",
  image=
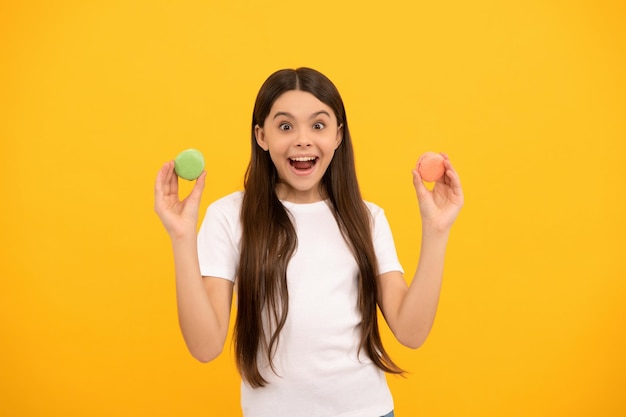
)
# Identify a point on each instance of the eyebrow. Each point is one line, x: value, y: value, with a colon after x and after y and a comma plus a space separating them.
x: 289, y: 115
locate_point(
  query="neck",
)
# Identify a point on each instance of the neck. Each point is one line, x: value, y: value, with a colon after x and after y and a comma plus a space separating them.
x: 314, y: 195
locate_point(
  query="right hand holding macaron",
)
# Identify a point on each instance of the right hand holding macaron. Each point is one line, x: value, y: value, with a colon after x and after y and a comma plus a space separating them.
x: 180, y: 217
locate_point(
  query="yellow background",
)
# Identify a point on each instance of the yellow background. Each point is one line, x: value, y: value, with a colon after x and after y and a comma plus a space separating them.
x: 528, y: 98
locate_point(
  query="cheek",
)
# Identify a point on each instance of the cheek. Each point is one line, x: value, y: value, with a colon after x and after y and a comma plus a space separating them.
x: 277, y: 159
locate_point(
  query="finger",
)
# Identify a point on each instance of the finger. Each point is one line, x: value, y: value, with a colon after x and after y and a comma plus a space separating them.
x: 451, y: 172
x: 161, y: 185
x: 454, y: 182
x: 418, y: 183
x: 161, y: 179
x: 196, y: 193
x: 171, y: 180
x: 167, y: 181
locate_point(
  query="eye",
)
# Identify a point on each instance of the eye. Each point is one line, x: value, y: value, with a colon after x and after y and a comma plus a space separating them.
x: 319, y: 125
x: 284, y: 126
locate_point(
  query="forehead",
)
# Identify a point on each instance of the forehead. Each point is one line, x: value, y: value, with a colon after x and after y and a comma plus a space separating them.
x: 299, y: 103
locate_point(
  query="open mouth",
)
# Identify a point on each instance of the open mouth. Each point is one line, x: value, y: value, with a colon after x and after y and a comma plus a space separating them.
x: 303, y: 163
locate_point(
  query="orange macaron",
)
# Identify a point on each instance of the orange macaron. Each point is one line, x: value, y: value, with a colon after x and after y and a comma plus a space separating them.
x: 431, y: 166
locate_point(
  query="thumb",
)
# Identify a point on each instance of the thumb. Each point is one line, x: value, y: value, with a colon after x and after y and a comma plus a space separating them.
x: 196, y: 193
x: 418, y: 183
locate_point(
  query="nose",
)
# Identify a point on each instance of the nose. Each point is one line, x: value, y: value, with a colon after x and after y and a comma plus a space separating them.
x: 302, y: 140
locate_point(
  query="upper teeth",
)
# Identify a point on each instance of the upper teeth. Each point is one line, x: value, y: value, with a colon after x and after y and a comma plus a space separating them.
x: 303, y: 158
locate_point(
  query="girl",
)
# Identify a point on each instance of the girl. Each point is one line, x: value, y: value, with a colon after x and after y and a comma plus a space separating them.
x: 309, y: 259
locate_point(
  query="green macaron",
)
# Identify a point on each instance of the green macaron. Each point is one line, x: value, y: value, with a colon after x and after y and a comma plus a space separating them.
x: 189, y: 164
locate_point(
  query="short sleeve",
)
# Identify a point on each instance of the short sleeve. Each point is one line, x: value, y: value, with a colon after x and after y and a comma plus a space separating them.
x: 384, y: 245
x: 219, y: 238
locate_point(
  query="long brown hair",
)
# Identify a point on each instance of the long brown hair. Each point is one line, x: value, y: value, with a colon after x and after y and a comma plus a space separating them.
x: 269, y: 237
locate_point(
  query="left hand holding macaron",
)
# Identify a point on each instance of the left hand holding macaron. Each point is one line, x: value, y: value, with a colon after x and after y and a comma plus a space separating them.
x: 440, y: 206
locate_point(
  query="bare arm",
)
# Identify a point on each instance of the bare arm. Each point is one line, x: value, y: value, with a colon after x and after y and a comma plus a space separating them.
x: 203, y: 303
x: 410, y: 310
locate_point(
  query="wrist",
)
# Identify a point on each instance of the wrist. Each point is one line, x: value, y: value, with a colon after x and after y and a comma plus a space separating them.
x: 434, y: 231
x: 434, y: 243
x: 184, y: 239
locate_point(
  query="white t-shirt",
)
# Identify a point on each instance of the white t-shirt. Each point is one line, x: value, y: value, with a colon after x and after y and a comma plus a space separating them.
x: 318, y: 371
